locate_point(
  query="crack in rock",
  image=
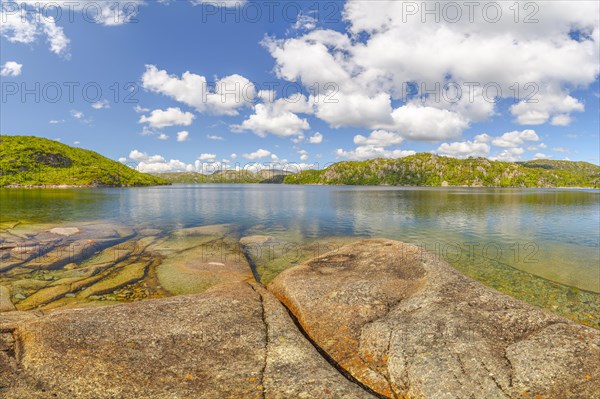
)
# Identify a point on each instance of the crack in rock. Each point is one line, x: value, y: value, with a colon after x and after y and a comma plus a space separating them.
x: 266, y: 348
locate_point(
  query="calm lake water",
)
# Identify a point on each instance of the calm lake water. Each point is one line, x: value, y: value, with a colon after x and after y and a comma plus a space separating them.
x: 527, y: 242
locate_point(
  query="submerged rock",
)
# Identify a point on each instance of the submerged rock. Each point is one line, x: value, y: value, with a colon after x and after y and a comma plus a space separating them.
x: 272, y: 255
x: 193, y: 264
x: 149, y: 232
x: 89, y: 272
x: 257, y: 240
x: 408, y: 325
x: 119, y: 277
x: 37, y: 247
x: 52, y: 293
x: 64, y: 231
x: 233, y: 341
x: 215, y: 230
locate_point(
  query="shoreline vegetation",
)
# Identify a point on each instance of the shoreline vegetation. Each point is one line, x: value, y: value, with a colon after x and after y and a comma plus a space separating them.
x: 90, y: 187
x: 33, y: 162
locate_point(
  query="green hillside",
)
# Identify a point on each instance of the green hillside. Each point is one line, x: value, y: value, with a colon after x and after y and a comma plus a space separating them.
x: 434, y: 170
x: 569, y: 166
x: 265, y: 176
x: 27, y: 161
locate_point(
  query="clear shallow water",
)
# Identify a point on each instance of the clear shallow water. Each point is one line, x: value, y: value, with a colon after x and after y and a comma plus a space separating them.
x: 552, y: 234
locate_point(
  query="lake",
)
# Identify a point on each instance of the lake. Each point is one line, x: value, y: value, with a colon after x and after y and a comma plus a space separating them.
x: 539, y: 245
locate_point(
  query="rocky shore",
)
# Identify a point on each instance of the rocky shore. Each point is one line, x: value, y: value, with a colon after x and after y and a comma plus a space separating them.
x: 199, y: 313
x: 409, y: 326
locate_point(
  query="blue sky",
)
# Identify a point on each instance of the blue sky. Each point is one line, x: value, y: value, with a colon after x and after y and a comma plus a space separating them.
x: 361, y: 53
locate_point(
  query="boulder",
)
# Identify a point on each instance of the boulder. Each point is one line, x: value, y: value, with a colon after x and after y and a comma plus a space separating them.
x: 408, y: 325
x: 232, y: 341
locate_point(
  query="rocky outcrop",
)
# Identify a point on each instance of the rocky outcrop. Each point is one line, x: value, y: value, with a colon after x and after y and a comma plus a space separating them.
x: 233, y: 341
x: 6, y: 304
x: 372, y: 319
x: 409, y: 326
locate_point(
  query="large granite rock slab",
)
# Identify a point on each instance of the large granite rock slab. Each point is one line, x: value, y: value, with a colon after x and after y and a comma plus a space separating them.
x: 409, y: 326
x: 232, y: 341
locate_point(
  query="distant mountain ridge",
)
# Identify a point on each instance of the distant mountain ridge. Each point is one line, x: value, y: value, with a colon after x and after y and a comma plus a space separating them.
x: 27, y: 161
x: 434, y: 170
x: 264, y: 176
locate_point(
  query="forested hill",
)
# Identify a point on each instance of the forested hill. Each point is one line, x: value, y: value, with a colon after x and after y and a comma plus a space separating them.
x: 32, y: 161
x: 433, y: 170
x: 27, y: 161
x: 265, y: 176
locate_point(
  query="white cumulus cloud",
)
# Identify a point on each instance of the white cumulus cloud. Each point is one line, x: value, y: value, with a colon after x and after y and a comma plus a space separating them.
x: 510, y: 144
x: 140, y: 110
x: 169, y: 117
x: 303, y: 155
x: 362, y: 153
x: 538, y: 64
x: 509, y: 154
x: 258, y: 154
x: 102, y: 104
x: 379, y: 138
x: 278, y: 117
x: 11, y: 68
x: 464, y: 149
x: 226, y: 98
x: 316, y: 138
x: 207, y: 157
x: 515, y: 138
x: 550, y: 104
x: 157, y: 163
x: 183, y: 136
